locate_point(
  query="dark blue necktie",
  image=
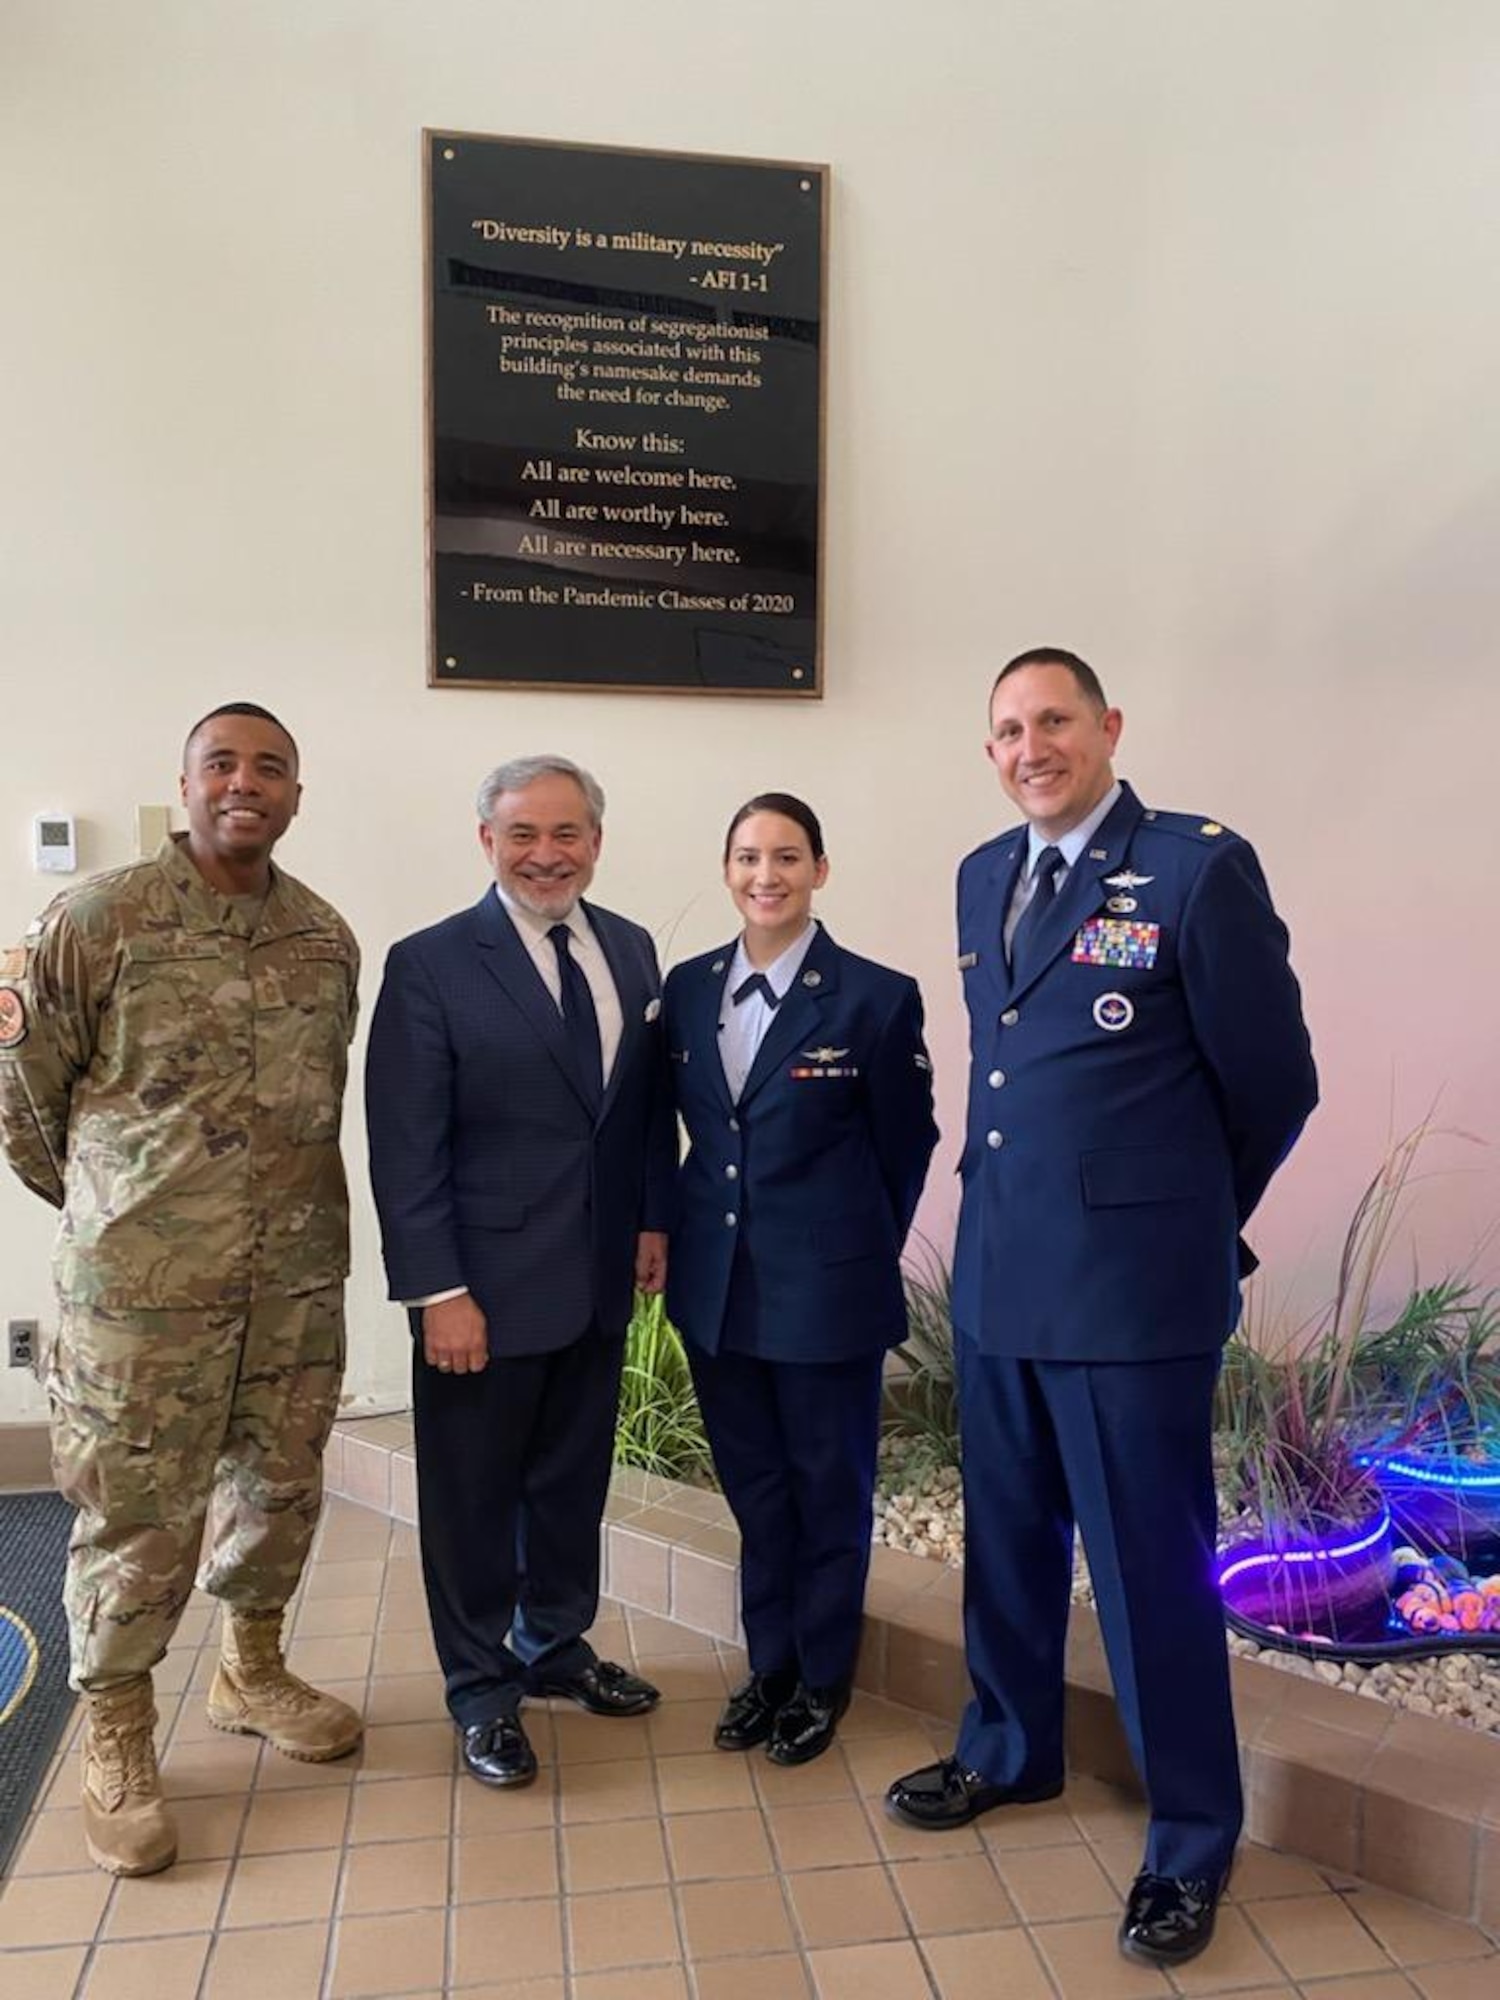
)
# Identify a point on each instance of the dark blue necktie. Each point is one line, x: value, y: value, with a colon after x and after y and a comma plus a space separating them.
x: 757, y: 983
x: 1043, y: 890
x: 579, y: 1017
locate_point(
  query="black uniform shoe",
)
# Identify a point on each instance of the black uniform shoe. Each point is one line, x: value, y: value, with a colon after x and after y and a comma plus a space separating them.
x: 805, y: 1727
x: 945, y: 1795
x: 498, y: 1753
x: 1169, y: 1918
x: 601, y: 1687
x: 751, y: 1709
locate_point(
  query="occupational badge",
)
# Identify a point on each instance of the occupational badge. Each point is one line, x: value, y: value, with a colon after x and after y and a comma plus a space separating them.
x: 827, y: 1063
x: 1117, y: 941
x: 12, y: 1019
x: 1121, y: 906
x: 1127, y: 879
x: 1112, y: 1011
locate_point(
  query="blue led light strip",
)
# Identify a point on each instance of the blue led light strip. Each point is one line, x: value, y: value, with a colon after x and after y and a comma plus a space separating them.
x: 1450, y: 1474
x: 1329, y: 1552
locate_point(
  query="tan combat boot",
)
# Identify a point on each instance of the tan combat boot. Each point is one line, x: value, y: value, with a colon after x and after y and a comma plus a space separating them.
x: 254, y: 1695
x: 126, y: 1826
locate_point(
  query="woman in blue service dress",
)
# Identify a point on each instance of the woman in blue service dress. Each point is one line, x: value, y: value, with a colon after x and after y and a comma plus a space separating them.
x: 801, y: 1076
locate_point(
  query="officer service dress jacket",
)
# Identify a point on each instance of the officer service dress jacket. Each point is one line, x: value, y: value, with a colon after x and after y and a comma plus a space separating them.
x: 491, y: 1171
x: 1129, y: 1099
x: 816, y: 1172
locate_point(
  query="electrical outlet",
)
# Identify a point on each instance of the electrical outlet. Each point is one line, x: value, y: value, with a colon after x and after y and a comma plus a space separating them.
x: 21, y: 1337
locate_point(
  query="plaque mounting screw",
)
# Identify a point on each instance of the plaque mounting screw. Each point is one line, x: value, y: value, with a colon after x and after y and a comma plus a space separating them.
x: 448, y: 154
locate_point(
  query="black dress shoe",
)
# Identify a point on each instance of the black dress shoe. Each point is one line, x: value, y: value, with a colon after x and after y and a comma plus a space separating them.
x: 498, y: 1753
x: 1169, y: 1918
x: 751, y: 1710
x: 805, y: 1727
x: 946, y: 1794
x: 602, y: 1688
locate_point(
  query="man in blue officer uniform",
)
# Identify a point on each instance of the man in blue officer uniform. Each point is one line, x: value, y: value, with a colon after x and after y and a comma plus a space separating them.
x: 1139, y: 1070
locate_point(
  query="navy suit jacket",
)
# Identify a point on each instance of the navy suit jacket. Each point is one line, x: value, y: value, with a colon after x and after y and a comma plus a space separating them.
x: 1123, y: 1118
x: 490, y: 1170
x: 814, y: 1175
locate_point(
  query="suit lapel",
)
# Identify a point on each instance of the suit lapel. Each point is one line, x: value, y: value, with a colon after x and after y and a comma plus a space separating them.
x: 507, y: 960
x: 992, y: 963
x: 796, y: 1019
x: 633, y: 998
x: 704, y: 1000
x: 1084, y: 892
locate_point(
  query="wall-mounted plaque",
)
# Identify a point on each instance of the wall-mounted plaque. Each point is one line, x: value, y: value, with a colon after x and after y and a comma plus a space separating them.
x: 625, y: 394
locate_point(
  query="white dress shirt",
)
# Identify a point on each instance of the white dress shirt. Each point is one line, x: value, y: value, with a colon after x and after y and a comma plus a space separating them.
x: 588, y: 956
x: 742, y: 1028
x: 1070, y: 845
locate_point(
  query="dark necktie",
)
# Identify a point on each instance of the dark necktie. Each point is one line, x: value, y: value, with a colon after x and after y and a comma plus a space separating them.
x: 579, y: 1017
x: 757, y: 983
x: 1043, y: 889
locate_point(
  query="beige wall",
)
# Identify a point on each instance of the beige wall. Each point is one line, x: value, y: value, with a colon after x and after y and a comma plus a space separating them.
x: 1165, y: 330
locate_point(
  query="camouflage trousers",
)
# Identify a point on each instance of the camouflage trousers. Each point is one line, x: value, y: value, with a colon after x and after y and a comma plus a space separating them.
x: 164, y: 1422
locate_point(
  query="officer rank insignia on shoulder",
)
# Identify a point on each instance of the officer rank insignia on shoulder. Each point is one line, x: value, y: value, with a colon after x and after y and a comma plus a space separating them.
x: 1115, y: 941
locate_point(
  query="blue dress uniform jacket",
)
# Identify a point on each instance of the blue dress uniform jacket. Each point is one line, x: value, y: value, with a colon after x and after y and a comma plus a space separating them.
x: 491, y: 1169
x: 784, y: 1276
x: 816, y: 1173
x: 1130, y: 1096
x: 1130, y: 1100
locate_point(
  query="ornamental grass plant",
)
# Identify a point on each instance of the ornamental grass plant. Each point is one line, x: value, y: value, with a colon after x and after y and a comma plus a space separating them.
x: 660, y: 1427
x: 920, y: 1413
x: 1302, y: 1411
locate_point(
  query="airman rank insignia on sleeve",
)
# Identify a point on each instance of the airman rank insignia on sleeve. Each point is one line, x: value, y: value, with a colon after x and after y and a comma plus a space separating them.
x: 12, y: 1019
x: 1115, y: 941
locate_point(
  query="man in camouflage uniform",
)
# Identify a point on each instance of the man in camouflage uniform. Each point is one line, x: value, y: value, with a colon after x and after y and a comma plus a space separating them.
x: 173, y: 1044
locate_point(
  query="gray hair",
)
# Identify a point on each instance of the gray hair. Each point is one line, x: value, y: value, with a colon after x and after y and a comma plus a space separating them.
x: 520, y: 772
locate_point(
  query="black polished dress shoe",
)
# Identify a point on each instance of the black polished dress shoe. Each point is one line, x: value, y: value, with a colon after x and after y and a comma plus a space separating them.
x: 1169, y: 1918
x: 751, y: 1710
x: 498, y: 1753
x: 601, y: 1687
x: 946, y: 1794
x: 805, y: 1727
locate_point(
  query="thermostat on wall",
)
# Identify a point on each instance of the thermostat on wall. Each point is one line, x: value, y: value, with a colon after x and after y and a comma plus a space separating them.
x: 54, y: 844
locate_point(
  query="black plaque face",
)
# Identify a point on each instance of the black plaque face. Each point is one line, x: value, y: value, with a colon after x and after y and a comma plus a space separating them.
x: 625, y: 369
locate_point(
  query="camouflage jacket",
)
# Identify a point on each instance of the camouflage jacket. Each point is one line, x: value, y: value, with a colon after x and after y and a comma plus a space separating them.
x: 171, y: 1076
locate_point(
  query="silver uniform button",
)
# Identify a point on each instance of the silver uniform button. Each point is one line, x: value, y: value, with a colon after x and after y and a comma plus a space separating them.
x: 731, y: 1173
x: 1009, y: 1018
x: 731, y: 1218
x: 997, y: 1078
x: 994, y: 1140
x: 734, y: 1124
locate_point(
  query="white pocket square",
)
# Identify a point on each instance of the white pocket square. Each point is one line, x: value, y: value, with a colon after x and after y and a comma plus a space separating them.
x: 653, y: 1008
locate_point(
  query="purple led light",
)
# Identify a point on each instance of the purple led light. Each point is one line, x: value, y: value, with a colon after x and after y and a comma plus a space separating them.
x: 1310, y: 1553
x: 1449, y: 1474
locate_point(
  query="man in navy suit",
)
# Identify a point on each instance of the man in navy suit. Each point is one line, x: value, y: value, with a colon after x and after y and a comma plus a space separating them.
x: 1139, y: 1070
x: 522, y: 1145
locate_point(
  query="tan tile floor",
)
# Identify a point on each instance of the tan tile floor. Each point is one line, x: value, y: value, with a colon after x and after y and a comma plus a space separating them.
x: 643, y: 1865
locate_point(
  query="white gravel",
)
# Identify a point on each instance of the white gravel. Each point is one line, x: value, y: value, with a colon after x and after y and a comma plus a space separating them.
x: 922, y: 1513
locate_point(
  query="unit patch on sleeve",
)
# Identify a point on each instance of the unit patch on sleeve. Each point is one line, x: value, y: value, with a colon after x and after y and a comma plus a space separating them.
x: 1116, y: 941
